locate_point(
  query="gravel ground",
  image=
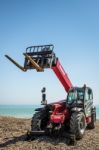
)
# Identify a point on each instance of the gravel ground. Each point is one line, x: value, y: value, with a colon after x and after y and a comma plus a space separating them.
x: 13, y: 137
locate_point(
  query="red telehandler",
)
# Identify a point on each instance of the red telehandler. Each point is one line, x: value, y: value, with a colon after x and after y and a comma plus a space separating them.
x: 70, y: 116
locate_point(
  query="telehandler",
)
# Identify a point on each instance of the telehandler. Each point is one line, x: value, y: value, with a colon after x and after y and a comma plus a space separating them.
x: 71, y: 115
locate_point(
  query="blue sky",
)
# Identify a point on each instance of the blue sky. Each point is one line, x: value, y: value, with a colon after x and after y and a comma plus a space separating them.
x: 71, y: 25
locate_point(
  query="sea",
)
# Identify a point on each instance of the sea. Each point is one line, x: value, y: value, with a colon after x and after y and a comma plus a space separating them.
x: 24, y: 111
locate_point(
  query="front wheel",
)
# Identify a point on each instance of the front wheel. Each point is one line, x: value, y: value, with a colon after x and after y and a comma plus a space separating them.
x: 77, y: 124
x: 39, y: 120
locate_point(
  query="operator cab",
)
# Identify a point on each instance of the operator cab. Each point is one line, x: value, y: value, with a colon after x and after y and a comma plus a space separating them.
x: 79, y: 96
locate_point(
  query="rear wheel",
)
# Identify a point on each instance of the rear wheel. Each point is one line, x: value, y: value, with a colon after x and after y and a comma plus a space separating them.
x: 77, y: 124
x: 93, y: 120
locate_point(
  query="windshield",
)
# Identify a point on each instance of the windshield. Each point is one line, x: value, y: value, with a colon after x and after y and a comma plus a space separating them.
x: 75, y: 95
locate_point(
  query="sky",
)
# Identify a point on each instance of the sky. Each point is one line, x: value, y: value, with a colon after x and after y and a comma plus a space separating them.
x: 71, y: 25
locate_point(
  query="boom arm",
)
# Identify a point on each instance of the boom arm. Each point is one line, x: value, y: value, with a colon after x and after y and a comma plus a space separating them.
x: 62, y: 76
x: 41, y: 57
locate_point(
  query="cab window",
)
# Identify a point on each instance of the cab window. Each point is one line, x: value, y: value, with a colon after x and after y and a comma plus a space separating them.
x: 88, y: 95
x: 72, y: 95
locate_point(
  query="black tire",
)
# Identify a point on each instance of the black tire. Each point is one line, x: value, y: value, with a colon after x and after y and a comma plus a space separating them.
x: 35, y: 122
x: 93, y: 121
x: 39, y: 120
x: 77, y: 124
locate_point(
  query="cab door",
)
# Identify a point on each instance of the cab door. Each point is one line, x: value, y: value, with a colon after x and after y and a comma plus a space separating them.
x: 88, y: 101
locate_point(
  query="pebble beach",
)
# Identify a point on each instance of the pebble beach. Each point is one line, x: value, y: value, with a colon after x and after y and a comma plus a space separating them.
x: 13, y: 137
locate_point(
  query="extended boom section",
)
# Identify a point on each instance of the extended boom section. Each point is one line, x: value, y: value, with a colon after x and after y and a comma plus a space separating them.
x: 40, y: 58
x: 62, y: 76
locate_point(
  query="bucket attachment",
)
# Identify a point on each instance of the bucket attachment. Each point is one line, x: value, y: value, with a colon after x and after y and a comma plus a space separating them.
x: 37, y: 57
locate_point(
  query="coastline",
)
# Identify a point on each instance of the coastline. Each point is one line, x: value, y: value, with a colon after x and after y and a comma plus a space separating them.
x: 13, y: 134
x: 25, y: 111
